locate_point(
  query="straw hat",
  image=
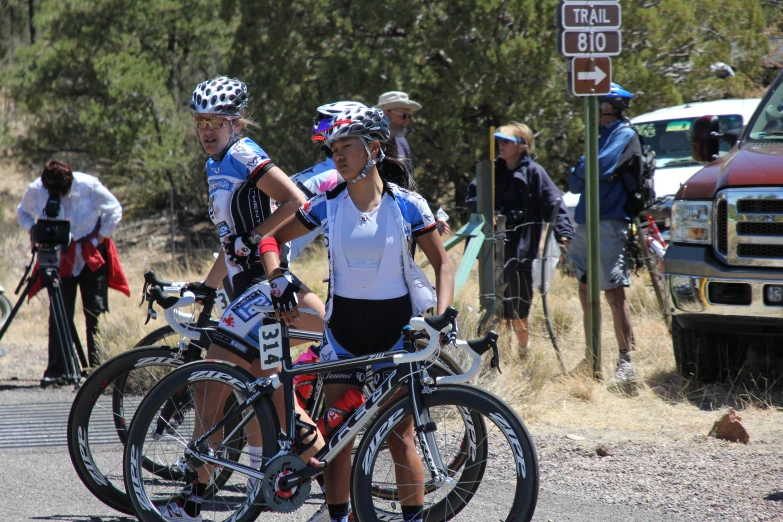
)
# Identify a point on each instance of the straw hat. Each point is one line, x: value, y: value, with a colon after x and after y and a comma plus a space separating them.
x: 396, y: 100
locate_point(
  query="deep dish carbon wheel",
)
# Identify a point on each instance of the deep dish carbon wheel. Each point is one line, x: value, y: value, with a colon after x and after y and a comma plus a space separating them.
x: 5, y: 308
x: 499, y: 481
x: 101, y: 412
x: 152, y: 436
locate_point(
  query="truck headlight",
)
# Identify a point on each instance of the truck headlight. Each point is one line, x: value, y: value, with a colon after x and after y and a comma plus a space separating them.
x: 692, y: 222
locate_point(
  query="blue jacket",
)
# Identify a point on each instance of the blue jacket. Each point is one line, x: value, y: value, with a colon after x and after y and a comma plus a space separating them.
x: 613, y: 139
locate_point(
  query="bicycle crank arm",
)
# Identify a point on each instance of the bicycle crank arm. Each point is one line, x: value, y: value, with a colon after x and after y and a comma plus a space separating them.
x: 288, y: 482
x: 223, y: 463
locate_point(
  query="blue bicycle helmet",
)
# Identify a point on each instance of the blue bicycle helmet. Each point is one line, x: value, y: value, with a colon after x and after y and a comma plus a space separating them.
x: 618, y: 97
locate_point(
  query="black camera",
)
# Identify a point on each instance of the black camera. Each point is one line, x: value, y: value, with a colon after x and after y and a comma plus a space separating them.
x: 52, y: 232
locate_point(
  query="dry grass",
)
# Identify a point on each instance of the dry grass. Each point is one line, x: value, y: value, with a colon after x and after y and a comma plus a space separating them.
x: 664, y: 405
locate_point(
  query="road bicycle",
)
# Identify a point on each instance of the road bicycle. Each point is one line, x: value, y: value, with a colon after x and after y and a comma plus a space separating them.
x: 648, y: 246
x: 100, y: 414
x: 496, y: 476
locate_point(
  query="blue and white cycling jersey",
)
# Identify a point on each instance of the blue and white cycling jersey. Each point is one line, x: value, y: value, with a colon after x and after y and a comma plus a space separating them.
x: 318, y: 179
x: 321, y: 177
x: 235, y: 203
x: 413, y: 218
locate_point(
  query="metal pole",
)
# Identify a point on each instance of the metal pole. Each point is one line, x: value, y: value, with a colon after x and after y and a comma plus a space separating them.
x: 486, y: 258
x: 593, y: 245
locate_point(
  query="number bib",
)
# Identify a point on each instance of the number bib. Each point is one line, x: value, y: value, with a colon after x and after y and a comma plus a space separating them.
x: 270, y: 341
x: 221, y: 302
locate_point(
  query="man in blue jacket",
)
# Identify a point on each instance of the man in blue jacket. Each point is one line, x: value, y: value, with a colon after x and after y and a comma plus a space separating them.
x: 619, y: 156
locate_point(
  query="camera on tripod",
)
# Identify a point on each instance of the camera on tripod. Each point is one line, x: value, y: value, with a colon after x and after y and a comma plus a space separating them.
x: 50, y: 233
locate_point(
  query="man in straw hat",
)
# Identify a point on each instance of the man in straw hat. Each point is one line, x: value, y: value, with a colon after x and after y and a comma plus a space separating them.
x: 399, y: 109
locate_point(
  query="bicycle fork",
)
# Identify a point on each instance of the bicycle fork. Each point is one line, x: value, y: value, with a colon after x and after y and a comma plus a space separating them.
x: 425, y: 429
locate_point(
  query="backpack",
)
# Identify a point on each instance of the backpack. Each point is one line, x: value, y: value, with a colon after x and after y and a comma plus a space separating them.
x: 640, y: 185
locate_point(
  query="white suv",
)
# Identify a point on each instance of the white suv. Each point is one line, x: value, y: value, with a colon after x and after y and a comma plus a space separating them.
x: 667, y: 131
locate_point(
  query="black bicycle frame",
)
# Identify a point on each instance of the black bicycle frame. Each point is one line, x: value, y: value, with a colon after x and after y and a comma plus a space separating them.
x: 349, y: 429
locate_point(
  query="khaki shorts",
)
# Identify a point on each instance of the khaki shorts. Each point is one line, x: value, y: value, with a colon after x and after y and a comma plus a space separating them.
x: 613, y: 270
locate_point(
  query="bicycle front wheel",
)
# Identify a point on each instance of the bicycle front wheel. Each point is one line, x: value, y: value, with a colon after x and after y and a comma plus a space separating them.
x: 163, y: 428
x: 499, y: 480
x: 101, y: 412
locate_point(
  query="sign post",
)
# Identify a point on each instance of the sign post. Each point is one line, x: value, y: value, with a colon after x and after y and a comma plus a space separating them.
x: 590, y: 36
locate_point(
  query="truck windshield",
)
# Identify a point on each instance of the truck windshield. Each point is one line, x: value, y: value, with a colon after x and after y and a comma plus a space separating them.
x: 768, y: 124
x: 670, y: 139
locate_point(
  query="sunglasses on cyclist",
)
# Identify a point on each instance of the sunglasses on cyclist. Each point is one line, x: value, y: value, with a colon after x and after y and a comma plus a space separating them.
x: 214, y: 122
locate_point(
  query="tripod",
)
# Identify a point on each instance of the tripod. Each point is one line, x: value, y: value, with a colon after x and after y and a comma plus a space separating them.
x: 49, y: 274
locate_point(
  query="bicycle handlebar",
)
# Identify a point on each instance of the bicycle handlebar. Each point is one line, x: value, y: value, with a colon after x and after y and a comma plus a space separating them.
x: 170, y: 313
x: 444, y: 324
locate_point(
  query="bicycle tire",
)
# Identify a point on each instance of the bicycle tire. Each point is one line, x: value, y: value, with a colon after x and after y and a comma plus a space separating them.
x: 166, y: 336
x: 100, y: 474
x: 148, y: 491
x: 440, y: 369
x: 501, y: 438
x: 5, y: 309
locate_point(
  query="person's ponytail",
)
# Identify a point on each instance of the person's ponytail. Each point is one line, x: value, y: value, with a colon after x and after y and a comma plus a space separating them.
x: 393, y: 168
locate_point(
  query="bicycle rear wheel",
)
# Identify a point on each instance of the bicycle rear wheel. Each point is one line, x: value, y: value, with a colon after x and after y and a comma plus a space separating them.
x: 101, y: 412
x: 499, y: 481
x: 229, y: 496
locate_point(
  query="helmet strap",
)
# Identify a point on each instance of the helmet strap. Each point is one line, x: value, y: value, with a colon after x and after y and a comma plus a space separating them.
x: 371, y: 162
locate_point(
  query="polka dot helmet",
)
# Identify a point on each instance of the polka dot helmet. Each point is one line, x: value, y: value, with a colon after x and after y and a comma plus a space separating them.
x: 369, y: 123
x: 221, y: 95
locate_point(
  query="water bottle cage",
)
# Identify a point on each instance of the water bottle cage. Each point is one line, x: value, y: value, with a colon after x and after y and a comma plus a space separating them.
x: 303, y: 431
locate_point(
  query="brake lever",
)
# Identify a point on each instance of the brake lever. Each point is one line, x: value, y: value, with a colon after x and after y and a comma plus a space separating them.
x: 495, y: 361
x: 144, y: 296
x: 151, y: 313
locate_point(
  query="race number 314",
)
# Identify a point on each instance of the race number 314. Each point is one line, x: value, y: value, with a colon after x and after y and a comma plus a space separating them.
x: 270, y: 343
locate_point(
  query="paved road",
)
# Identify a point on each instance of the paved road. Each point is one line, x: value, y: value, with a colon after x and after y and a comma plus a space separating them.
x: 39, y: 484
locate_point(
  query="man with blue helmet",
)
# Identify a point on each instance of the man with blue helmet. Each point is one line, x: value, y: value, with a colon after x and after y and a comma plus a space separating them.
x: 619, y: 157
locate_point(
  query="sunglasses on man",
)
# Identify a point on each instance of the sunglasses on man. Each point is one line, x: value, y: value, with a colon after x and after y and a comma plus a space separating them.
x: 404, y: 116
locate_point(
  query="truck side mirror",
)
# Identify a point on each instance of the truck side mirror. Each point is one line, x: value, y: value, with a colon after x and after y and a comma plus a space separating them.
x: 704, y: 139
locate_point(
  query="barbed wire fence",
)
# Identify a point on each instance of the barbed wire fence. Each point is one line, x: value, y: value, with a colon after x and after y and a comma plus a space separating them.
x: 555, y: 313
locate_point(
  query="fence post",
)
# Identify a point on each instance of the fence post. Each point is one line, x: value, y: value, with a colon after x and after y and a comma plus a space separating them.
x: 486, y: 257
x: 500, y: 264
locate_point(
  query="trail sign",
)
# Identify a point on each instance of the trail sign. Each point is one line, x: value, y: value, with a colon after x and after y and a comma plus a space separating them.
x: 590, y: 43
x: 590, y: 15
x: 590, y: 76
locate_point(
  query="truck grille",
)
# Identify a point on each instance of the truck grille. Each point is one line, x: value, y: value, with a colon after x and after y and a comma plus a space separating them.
x: 749, y: 227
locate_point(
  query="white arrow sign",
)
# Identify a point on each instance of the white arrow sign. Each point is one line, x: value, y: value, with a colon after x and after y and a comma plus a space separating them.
x: 597, y: 75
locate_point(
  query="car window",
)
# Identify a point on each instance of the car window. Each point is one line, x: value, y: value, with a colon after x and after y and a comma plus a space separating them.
x: 768, y: 125
x: 670, y: 139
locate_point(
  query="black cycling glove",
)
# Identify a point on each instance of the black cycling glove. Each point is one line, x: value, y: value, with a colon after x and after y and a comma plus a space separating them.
x: 284, y: 291
x: 239, y: 248
x: 200, y: 290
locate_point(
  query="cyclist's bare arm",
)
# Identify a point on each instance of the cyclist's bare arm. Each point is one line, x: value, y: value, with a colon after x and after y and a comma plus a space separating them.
x: 432, y: 246
x: 218, y: 271
x: 278, y: 186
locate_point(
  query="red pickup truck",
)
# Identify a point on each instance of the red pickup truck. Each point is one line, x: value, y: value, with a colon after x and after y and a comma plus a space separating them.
x: 724, y: 266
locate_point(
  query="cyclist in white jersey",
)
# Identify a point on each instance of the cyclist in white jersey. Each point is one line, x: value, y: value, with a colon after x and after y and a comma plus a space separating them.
x: 242, y: 182
x: 371, y: 227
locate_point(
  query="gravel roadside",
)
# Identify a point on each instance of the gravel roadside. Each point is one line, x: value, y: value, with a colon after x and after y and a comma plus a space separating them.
x: 685, y: 478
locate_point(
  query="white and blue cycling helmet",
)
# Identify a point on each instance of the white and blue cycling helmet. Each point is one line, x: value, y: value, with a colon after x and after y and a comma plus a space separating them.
x: 366, y: 123
x: 222, y: 95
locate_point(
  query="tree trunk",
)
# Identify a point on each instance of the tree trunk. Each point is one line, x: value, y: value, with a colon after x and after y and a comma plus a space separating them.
x: 30, y: 10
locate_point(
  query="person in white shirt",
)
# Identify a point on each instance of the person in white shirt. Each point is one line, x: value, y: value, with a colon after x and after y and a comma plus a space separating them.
x: 94, y: 214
